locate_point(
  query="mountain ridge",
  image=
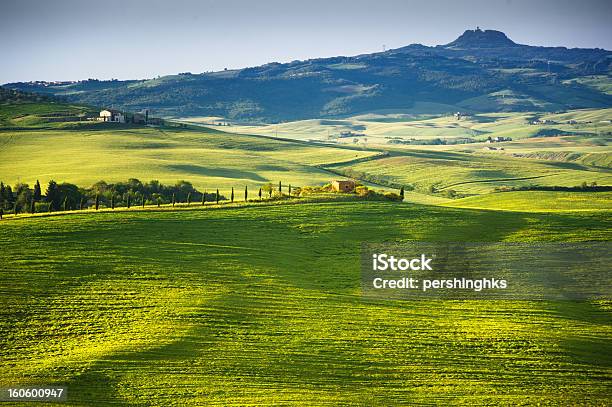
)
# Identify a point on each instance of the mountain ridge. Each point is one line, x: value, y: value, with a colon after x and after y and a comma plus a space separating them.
x: 481, y: 39
x: 475, y: 72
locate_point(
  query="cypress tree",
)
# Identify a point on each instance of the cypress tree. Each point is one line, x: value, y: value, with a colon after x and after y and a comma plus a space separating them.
x: 188, y: 198
x: 129, y: 200
x: 1, y: 213
x: 280, y: 188
x: 81, y: 204
x: 270, y: 191
x: 204, y: 198
x: 113, y: 201
x: 402, y: 193
x: 37, y: 192
x: 217, y: 196
x: 65, y: 203
x: 97, y: 201
x: 260, y: 194
x: 246, y: 193
x: 53, y: 195
x: 232, y: 194
x: 173, y: 199
x: 2, y: 195
x: 158, y: 202
x: 15, y: 209
x: 32, y: 207
x: 289, y: 190
x: 143, y: 202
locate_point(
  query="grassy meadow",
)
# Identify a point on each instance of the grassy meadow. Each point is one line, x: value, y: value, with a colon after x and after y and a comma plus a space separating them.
x: 262, y: 305
x: 380, y: 127
x: 474, y: 173
x: 568, y: 149
x: 84, y: 153
x: 538, y: 201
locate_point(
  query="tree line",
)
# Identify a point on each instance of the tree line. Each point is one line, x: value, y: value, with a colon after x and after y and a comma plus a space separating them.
x: 66, y: 196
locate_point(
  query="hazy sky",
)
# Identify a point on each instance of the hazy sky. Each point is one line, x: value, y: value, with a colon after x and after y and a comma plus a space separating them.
x: 79, y: 39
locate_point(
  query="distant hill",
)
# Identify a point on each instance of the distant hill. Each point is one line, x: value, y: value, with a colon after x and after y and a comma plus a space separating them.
x: 481, y: 71
x: 482, y: 39
x: 13, y: 96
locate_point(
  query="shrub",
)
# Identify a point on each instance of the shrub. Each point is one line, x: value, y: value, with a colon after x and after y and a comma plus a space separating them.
x: 392, y: 196
x: 41, y: 207
x: 362, y: 190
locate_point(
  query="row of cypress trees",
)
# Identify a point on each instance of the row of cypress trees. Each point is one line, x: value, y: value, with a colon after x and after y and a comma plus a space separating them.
x: 66, y: 204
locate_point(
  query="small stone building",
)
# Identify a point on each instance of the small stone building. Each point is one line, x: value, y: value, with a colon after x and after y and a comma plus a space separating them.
x: 343, y: 186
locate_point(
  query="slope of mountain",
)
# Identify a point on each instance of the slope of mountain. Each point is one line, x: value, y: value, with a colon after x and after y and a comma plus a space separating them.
x: 480, y: 71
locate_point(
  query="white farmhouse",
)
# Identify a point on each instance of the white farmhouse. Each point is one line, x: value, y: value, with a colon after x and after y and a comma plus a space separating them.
x: 110, y: 115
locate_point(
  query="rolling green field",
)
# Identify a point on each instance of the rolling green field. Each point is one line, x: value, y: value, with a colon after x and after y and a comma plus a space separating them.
x: 262, y: 305
x: 474, y: 173
x: 538, y: 201
x: 570, y: 148
x: 379, y: 128
x: 84, y: 153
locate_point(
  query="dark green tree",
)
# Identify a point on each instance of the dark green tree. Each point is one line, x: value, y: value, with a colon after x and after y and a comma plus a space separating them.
x: 217, y: 196
x: 65, y: 204
x: 260, y: 194
x: 401, y: 194
x: 246, y: 193
x: 158, y: 202
x: 188, y: 198
x: 81, y: 204
x: 32, y: 205
x: 2, y: 195
x: 1, y: 213
x: 97, y: 201
x: 289, y: 190
x: 37, y: 195
x: 10, y: 199
x: 53, y: 195
x: 280, y: 188
x: 113, y: 201
x: 204, y: 198
x: 129, y: 200
x: 143, y: 201
x: 232, y: 198
x: 173, y: 199
x: 23, y: 197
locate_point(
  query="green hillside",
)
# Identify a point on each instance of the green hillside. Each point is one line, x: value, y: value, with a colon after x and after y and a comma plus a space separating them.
x: 86, y: 152
x: 538, y: 201
x: 262, y: 305
x: 482, y: 74
x: 472, y: 172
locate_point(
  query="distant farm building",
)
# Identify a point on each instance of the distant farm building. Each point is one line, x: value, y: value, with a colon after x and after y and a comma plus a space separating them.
x: 110, y: 115
x: 343, y: 186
